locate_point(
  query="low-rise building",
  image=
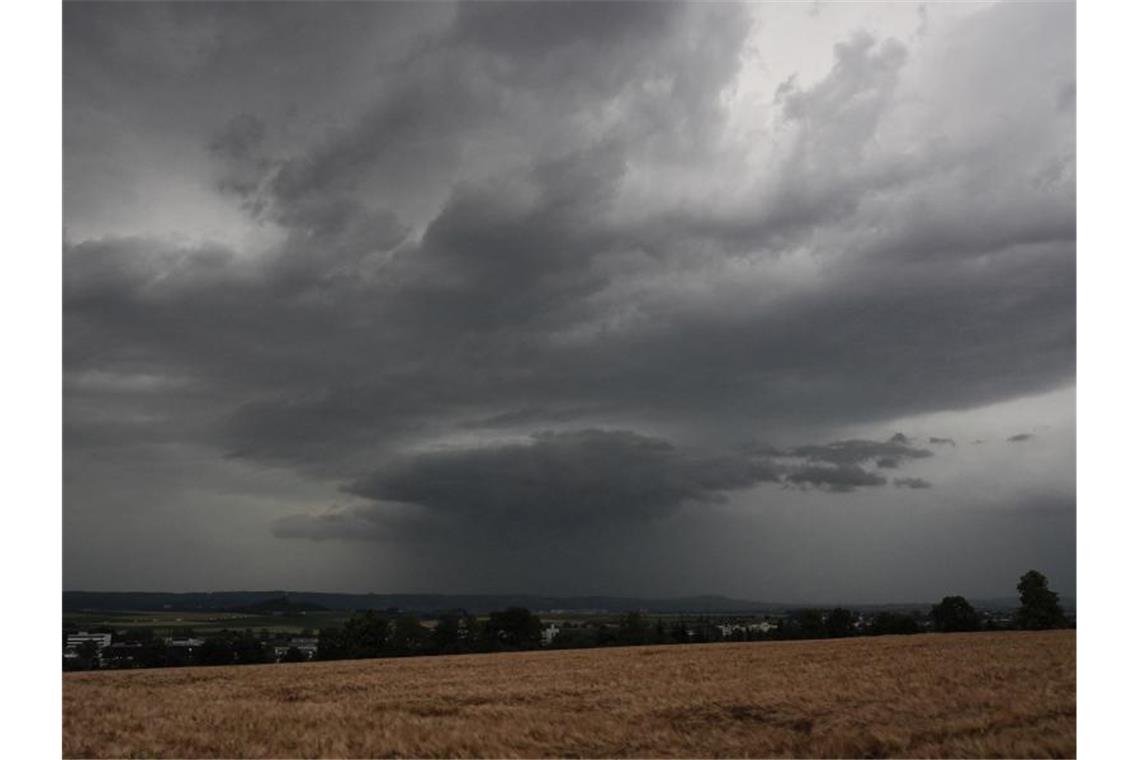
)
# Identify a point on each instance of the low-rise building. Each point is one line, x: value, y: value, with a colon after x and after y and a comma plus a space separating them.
x: 79, y: 639
x: 306, y: 646
x: 75, y: 643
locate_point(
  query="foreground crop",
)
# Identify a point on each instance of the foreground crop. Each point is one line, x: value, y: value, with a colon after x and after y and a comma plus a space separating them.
x: 952, y: 695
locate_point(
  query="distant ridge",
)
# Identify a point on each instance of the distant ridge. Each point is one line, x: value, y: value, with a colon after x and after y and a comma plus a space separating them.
x: 278, y: 605
x: 75, y: 601
x: 476, y: 603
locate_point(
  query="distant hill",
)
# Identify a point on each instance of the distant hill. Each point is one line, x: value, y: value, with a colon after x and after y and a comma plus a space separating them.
x: 280, y: 605
x: 268, y: 602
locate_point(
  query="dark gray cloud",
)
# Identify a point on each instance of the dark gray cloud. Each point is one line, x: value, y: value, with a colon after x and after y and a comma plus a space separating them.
x: 240, y: 139
x: 1020, y: 437
x: 839, y: 479
x: 525, y: 269
x: 531, y: 265
x: 570, y: 480
x: 567, y: 479
x: 911, y: 483
x: 858, y: 451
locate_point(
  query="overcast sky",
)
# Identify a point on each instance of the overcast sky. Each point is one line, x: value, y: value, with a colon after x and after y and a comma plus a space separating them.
x: 774, y: 301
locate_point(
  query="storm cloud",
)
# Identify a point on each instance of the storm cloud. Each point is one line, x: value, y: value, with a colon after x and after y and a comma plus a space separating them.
x: 562, y: 480
x: 856, y: 451
x: 840, y: 478
x: 544, y: 271
x: 582, y: 479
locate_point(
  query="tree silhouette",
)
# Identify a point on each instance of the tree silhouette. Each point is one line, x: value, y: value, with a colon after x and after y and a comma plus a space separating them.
x: 89, y: 654
x: 513, y: 628
x: 839, y: 623
x: 1040, y: 608
x: 446, y: 634
x: 893, y: 623
x: 679, y: 632
x: 632, y: 629
x: 366, y: 634
x: 805, y: 624
x: 954, y: 613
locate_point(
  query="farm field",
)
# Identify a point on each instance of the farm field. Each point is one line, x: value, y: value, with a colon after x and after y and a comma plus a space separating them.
x: 168, y: 623
x: 945, y: 695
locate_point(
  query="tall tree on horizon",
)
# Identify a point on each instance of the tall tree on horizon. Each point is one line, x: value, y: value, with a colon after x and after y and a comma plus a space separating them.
x: 1040, y: 608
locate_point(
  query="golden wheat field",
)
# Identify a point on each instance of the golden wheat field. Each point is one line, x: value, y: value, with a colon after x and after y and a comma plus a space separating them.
x: 951, y: 695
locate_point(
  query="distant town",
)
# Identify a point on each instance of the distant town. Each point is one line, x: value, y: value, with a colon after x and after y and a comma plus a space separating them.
x: 291, y: 628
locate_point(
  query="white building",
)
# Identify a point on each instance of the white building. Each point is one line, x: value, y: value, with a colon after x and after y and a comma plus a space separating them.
x: 548, y: 633
x: 79, y: 639
x: 75, y: 641
x: 306, y: 646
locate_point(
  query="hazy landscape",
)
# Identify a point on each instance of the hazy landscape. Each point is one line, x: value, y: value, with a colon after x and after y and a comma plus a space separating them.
x: 535, y: 379
x: 950, y: 695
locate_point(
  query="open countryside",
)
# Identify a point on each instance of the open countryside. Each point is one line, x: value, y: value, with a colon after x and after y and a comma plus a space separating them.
x: 567, y: 379
x: 1003, y: 694
x: 111, y: 639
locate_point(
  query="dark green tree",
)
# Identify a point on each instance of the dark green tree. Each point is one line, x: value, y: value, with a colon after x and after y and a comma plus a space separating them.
x: 293, y: 654
x: 152, y: 654
x: 215, y: 650
x: 954, y: 613
x: 839, y: 622
x: 88, y: 654
x: 408, y: 637
x: 1040, y: 608
x: 513, y: 628
x: 893, y: 623
x: 679, y: 632
x: 248, y: 649
x: 229, y: 647
x: 331, y: 644
x: 604, y: 635
x: 366, y: 634
x: 632, y: 629
x: 445, y: 636
x: 805, y: 624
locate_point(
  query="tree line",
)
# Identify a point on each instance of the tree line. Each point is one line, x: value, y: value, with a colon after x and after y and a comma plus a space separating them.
x: 369, y: 634
x: 372, y: 634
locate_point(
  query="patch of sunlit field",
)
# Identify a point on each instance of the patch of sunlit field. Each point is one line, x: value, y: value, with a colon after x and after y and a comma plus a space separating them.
x: 949, y: 695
